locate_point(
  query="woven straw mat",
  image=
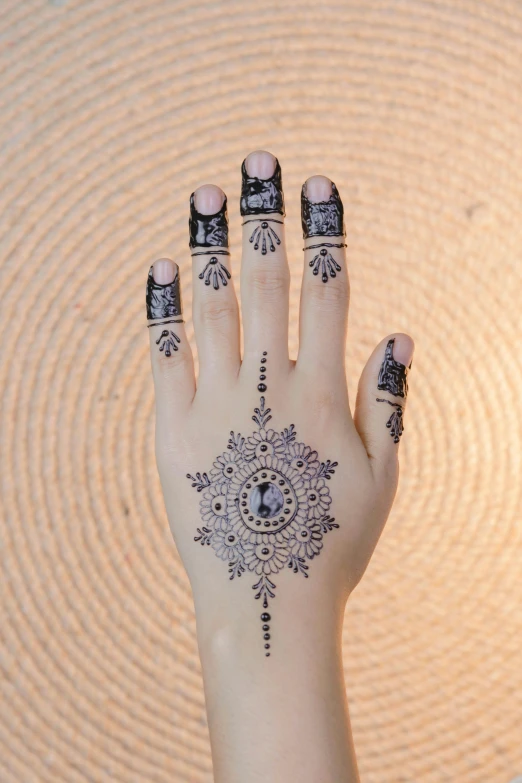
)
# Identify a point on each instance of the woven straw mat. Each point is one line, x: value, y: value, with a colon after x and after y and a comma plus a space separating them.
x: 112, y: 113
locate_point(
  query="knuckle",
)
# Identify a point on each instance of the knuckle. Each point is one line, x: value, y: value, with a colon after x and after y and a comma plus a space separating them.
x: 216, y: 313
x: 269, y: 283
x: 331, y: 295
x: 177, y: 362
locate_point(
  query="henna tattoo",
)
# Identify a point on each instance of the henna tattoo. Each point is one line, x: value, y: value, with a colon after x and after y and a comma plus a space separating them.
x: 263, y: 232
x: 208, y: 230
x: 265, y: 505
x: 326, y: 264
x: 395, y: 423
x: 325, y: 244
x: 393, y: 374
x: 323, y: 218
x: 169, y: 321
x: 260, y: 196
x: 211, y: 253
x: 168, y: 342
x: 213, y: 272
x: 163, y: 301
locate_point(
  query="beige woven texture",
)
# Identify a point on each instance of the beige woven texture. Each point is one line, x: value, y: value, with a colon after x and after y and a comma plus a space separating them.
x: 112, y: 113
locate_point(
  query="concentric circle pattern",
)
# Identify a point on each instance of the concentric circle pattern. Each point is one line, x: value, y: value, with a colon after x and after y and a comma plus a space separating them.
x: 112, y: 113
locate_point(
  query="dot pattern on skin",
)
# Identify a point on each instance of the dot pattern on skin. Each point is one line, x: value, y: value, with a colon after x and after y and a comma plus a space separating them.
x: 323, y: 219
x: 265, y: 505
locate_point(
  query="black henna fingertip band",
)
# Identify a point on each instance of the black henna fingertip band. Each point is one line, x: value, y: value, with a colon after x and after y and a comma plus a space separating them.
x: 392, y: 374
x: 163, y: 300
x: 322, y: 218
x: 261, y: 196
x: 208, y: 230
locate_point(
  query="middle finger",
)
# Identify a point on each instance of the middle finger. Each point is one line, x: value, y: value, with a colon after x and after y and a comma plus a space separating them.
x: 265, y: 276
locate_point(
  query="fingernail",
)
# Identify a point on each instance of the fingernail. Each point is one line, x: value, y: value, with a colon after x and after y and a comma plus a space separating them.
x: 163, y: 295
x: 208, y: 199
x: 163, y: 271
x: 318, y: 188
x: 403, y: 349
x: 260, y: 164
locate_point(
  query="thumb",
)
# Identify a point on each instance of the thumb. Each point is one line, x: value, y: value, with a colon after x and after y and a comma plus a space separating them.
x: 381, y: 401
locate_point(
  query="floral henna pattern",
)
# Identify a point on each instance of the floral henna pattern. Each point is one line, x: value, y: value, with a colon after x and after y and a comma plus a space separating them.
x: 265, y: 505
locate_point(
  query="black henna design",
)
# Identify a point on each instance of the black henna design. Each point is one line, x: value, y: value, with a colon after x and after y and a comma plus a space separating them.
x: 322, y: 218
x: 211, y: 253
x: 168, y: 321
x: 208, y: 230
x: 213, y: 272
x: 265, y: 505
x: 325, y: 263
x: 262, y: 232
x: 393, y: 374
x: 395, y: 423
x: 168, y: 341
x: 261, y: 196
x: 163, y: 301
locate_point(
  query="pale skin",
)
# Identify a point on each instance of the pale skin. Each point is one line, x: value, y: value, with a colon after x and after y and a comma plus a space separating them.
x: 284, y: 717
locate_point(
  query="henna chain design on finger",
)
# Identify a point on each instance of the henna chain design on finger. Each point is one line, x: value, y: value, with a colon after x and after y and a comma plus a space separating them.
x: 265, y: 505
x: 261, y: 197
x: 210, y: 231
x: 323, y: 218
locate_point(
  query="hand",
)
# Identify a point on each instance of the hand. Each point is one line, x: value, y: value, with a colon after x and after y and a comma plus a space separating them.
x: 275, y: 494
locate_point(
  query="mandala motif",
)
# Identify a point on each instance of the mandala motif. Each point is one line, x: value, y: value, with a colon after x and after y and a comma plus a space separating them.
x: 265, y: 505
